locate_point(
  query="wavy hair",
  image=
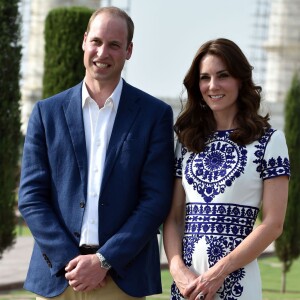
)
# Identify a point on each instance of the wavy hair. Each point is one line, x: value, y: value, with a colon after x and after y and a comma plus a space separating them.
x: 196, y: 121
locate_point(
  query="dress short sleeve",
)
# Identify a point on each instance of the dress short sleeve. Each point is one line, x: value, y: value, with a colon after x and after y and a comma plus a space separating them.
x: 276, y: 158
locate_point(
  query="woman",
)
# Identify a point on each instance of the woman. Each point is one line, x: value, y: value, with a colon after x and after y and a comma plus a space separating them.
x: 229, y: 163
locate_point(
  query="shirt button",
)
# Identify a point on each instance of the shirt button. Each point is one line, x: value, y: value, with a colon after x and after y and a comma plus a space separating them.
x: 82, y: 204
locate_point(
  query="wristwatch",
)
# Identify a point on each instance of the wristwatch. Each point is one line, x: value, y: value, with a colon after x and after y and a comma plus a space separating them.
x: 103, y: 262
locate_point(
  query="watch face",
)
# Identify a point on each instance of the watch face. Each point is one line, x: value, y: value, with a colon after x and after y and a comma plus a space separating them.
x: 105, y: 265
x: 103, y: 262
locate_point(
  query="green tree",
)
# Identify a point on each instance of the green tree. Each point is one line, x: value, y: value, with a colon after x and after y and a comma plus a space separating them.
x: 10, y: 57
x: 64, y: 30
x: 288, y: 244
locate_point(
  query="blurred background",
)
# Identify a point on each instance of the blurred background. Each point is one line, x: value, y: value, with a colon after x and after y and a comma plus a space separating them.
x: 168, y: 34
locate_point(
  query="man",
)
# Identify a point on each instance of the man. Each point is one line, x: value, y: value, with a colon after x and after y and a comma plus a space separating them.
x: 96, y: 178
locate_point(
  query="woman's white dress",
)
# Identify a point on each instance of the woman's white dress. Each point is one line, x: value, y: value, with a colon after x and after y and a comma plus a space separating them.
x: 223, y: 186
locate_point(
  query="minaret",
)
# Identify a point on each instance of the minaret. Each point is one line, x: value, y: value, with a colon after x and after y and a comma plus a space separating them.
x: 282, y: 48
x: 31, y: 84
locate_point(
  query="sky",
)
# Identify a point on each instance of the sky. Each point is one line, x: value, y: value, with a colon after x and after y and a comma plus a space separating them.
x: 169, y: 32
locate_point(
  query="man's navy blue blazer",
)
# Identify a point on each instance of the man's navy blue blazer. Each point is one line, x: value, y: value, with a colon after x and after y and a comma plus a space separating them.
x: 135, y: 195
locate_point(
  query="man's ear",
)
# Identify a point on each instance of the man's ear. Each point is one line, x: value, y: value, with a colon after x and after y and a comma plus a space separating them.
x: 129, y: 51
x: 84, y: 40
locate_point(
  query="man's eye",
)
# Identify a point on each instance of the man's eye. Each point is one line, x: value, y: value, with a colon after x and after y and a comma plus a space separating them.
x: 115, y: 46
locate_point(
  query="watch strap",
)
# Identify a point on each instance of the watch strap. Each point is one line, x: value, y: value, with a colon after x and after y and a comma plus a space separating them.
x: 103, y: 262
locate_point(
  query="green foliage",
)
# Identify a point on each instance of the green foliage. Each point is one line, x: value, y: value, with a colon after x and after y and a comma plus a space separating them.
x: 288, y: 244
x: 64, y: 30
x: 10, y: 57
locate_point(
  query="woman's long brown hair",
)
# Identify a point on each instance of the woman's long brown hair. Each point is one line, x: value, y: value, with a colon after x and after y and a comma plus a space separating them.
x: 196, y: 121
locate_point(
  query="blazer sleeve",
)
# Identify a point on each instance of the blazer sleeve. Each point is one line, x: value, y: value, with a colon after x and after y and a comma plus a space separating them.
x: 36, y: 198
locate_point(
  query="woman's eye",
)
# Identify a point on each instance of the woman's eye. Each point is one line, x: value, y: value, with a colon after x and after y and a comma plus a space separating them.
x: 224, y: 75
x: 204, y: 77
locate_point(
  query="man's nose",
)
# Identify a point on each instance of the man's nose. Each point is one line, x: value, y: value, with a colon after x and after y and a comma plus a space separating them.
x: 102, y: 51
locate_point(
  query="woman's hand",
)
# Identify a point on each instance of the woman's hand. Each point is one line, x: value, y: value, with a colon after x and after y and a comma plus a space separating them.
x: 183, y: 277
x: 206, y: 284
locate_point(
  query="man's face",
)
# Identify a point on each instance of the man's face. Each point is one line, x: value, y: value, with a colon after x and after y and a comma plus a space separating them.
x: 105, y: 49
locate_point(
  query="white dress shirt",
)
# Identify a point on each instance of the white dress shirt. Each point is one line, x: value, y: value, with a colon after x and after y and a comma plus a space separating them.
x: 98, y: 124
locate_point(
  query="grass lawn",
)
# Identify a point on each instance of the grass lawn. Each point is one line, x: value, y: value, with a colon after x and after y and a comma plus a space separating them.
x: 271, y: 278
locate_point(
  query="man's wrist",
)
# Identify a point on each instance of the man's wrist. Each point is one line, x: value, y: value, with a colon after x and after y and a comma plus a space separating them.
x: 103, y: 262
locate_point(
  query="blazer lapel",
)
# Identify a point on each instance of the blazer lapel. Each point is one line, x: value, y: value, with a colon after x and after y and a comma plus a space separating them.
x: 127, y: 112
x: 74, y: 118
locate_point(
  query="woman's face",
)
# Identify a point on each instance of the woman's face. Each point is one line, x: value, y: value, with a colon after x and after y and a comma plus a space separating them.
x: 218, y: 88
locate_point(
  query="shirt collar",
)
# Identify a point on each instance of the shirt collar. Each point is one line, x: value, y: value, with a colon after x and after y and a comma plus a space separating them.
x: 115, y: 96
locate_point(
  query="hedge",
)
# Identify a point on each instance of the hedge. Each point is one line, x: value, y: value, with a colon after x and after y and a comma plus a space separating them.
x: 63, y: 66
x: 10, y: 135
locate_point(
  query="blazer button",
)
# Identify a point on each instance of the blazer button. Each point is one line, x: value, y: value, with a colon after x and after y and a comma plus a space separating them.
x: 82, y: 204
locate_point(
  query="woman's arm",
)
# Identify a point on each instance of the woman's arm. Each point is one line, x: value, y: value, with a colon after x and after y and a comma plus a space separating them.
x: 173, y: 233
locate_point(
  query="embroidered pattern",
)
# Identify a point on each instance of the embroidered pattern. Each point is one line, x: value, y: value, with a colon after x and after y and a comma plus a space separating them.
x: 218, y: 248
x: 188, y: 245
x: 214, y: 169
x: 274, y: 166
x: 212, y: 228
x: 178, y: 162
x: 219, y: 219
x: 232, y: 289
x: 223, y: 226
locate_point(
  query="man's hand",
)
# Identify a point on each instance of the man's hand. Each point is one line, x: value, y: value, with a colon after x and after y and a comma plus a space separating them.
x: 84, y: 273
